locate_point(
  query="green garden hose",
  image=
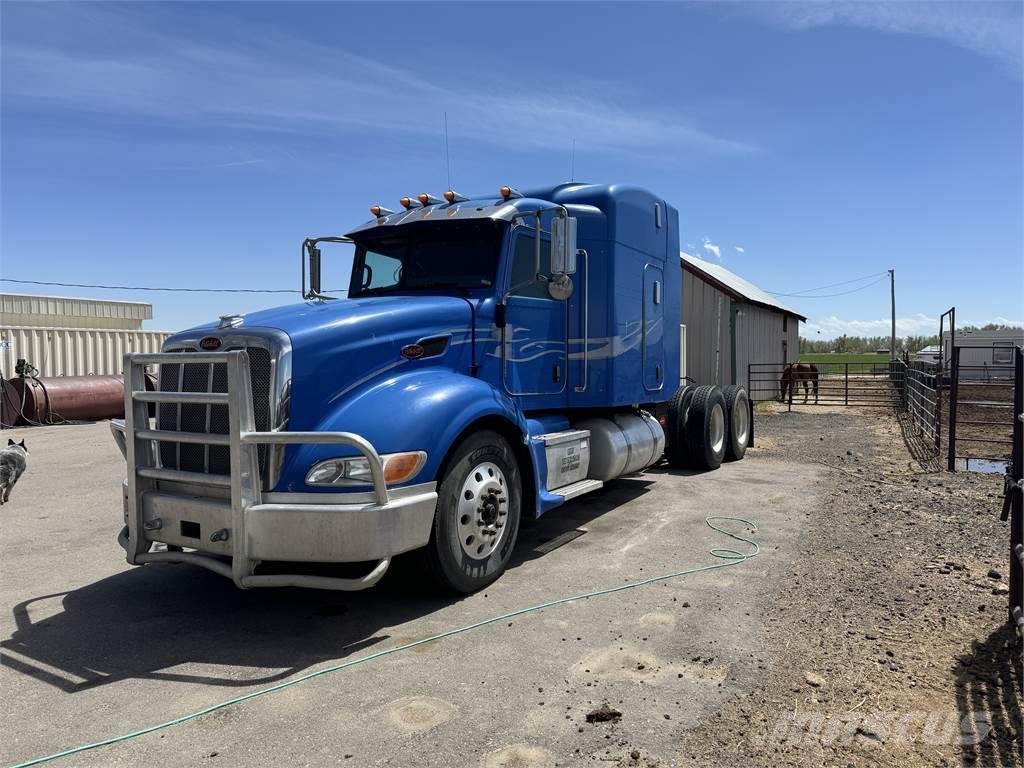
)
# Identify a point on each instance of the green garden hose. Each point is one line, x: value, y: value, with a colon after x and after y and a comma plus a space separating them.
x: 729, y: 557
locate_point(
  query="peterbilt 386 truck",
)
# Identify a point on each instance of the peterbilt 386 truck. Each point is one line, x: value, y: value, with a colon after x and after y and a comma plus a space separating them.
x: 494, y: 358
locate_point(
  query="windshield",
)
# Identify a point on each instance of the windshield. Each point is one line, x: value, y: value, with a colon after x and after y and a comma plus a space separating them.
x: 426, y: 256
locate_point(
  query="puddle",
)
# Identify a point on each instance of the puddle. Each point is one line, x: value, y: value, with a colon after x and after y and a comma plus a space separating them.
x: 986, y: 466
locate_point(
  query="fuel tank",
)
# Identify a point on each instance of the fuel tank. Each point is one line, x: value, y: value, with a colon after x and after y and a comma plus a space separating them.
x: 622, y: 444
x: 52, y: 400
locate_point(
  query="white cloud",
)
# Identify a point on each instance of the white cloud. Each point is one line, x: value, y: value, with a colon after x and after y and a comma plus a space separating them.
x: 263, y: 79
x: 918, y: 324
x: 740, y: 249
x: 1001, y: 321
x: 832, y: 326
x: 988, y: 29
x: 715, y: 250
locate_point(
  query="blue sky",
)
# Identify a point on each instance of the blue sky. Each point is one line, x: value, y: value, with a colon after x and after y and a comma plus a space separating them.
x: 804, y: 144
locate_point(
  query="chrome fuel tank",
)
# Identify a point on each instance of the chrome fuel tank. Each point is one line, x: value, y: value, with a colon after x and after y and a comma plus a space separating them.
x: 622, y: 444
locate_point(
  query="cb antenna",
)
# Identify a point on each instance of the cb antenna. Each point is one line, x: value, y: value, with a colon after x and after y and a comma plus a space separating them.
x: 447, y: 155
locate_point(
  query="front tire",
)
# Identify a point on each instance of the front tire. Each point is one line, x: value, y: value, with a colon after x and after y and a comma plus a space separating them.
x: 477, y: 517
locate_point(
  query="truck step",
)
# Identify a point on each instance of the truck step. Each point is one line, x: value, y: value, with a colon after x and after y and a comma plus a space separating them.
x: 573, y: 490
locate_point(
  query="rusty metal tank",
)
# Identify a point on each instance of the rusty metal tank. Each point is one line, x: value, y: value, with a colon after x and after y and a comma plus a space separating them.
x: 57, y: 399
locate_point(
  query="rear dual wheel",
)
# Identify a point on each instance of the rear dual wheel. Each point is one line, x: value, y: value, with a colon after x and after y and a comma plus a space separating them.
x: 707, y: 425
x: 706, y: 422
x: 737, y: 407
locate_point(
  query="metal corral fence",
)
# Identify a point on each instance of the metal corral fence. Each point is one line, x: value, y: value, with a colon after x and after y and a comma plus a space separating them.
x: 963, y: 412
x: 980, y: 413
x: 847, y: 384
x: 1013, y: 497
x: 922, y: 400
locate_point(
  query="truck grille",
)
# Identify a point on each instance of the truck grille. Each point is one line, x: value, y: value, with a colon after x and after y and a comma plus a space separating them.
x: 212, y: 419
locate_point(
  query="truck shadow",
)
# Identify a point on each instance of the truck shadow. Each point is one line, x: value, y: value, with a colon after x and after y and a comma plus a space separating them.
x: 161, y: 621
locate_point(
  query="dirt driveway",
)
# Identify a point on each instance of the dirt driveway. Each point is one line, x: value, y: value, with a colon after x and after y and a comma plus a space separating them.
x: 865, y: 601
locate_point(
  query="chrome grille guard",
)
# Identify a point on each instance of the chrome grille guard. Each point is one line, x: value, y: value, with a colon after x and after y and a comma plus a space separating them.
x: 140, y: 449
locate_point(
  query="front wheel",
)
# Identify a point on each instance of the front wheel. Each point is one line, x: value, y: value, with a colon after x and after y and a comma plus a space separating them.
x: 477, y: 516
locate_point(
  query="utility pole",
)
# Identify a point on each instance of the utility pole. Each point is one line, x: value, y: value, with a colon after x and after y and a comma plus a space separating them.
x: 892, y: 292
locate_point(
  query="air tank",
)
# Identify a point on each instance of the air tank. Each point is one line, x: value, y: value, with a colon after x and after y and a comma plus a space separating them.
x: 622, y: 444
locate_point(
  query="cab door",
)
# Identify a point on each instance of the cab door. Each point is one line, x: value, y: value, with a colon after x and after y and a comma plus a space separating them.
x: 534, y: 342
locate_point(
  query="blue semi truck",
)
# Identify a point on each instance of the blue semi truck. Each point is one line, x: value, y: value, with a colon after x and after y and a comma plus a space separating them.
x: 494, y: 358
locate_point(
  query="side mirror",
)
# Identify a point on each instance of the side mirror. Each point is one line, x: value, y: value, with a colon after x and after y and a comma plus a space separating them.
x: 563, y: 245
x: 314, y: 270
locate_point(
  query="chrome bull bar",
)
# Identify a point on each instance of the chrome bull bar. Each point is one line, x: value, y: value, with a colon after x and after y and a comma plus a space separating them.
x: 138, y: 442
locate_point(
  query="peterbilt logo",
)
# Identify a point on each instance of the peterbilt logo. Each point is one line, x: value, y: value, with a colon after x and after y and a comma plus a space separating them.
x: 210, y: 343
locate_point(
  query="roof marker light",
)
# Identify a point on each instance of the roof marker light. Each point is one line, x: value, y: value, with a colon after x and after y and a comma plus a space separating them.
x: 380, y: 211
x: 427, y: 199
x: 454, y: 197
x: 509, y: 192
x: 410, y: 202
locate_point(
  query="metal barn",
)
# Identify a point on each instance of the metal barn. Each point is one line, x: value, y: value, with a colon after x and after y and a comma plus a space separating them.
x: 731, y: 323
x: 72, y: 337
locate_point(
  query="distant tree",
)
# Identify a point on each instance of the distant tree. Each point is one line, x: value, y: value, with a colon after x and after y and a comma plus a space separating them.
x: 990, y: 327
x: 865, y: 344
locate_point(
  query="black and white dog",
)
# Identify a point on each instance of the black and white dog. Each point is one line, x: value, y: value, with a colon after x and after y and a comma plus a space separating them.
x: 13, y: 462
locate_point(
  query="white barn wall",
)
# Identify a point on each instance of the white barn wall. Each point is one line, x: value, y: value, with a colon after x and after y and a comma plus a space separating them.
x: 62, y: 312
x: 73, y: 351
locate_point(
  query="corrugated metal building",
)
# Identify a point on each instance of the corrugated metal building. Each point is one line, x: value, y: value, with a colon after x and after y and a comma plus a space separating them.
x: 731, y: 323
x: 72, y: 337
x: 984, y: 355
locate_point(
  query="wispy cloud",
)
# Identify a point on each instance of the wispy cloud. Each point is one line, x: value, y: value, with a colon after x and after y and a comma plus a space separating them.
x: 986, y: 28
x: 275, y: 82
x: 740, y: 249
x: 710, y: 247
x: 240, y: 163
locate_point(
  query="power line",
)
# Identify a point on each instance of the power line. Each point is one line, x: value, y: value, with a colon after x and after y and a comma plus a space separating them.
x: 830, y: 285
x: 885, y: 276
x: 150, y: 287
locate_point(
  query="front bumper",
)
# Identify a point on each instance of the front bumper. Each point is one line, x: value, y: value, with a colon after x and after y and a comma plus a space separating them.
x: 227, y: 524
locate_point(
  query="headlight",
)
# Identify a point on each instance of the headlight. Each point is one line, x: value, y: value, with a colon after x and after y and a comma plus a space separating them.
x: 398, y: 468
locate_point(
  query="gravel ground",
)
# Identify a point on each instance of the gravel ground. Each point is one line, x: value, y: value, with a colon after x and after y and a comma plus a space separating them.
x: 871, y: 630
x: 888, y: 632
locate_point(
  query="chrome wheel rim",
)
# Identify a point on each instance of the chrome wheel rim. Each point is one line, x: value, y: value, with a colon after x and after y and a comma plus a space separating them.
x: 741, y: 420
x: 717, y: 429
x: 483, y: 510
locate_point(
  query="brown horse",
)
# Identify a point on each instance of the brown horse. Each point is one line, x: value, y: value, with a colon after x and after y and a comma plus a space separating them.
x: 795, y: 374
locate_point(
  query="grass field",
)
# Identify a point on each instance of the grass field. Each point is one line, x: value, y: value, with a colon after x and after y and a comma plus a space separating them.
x: 829, y: 357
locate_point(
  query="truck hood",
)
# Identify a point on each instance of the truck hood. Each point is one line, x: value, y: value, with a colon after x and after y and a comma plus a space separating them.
x: 339, y: 346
